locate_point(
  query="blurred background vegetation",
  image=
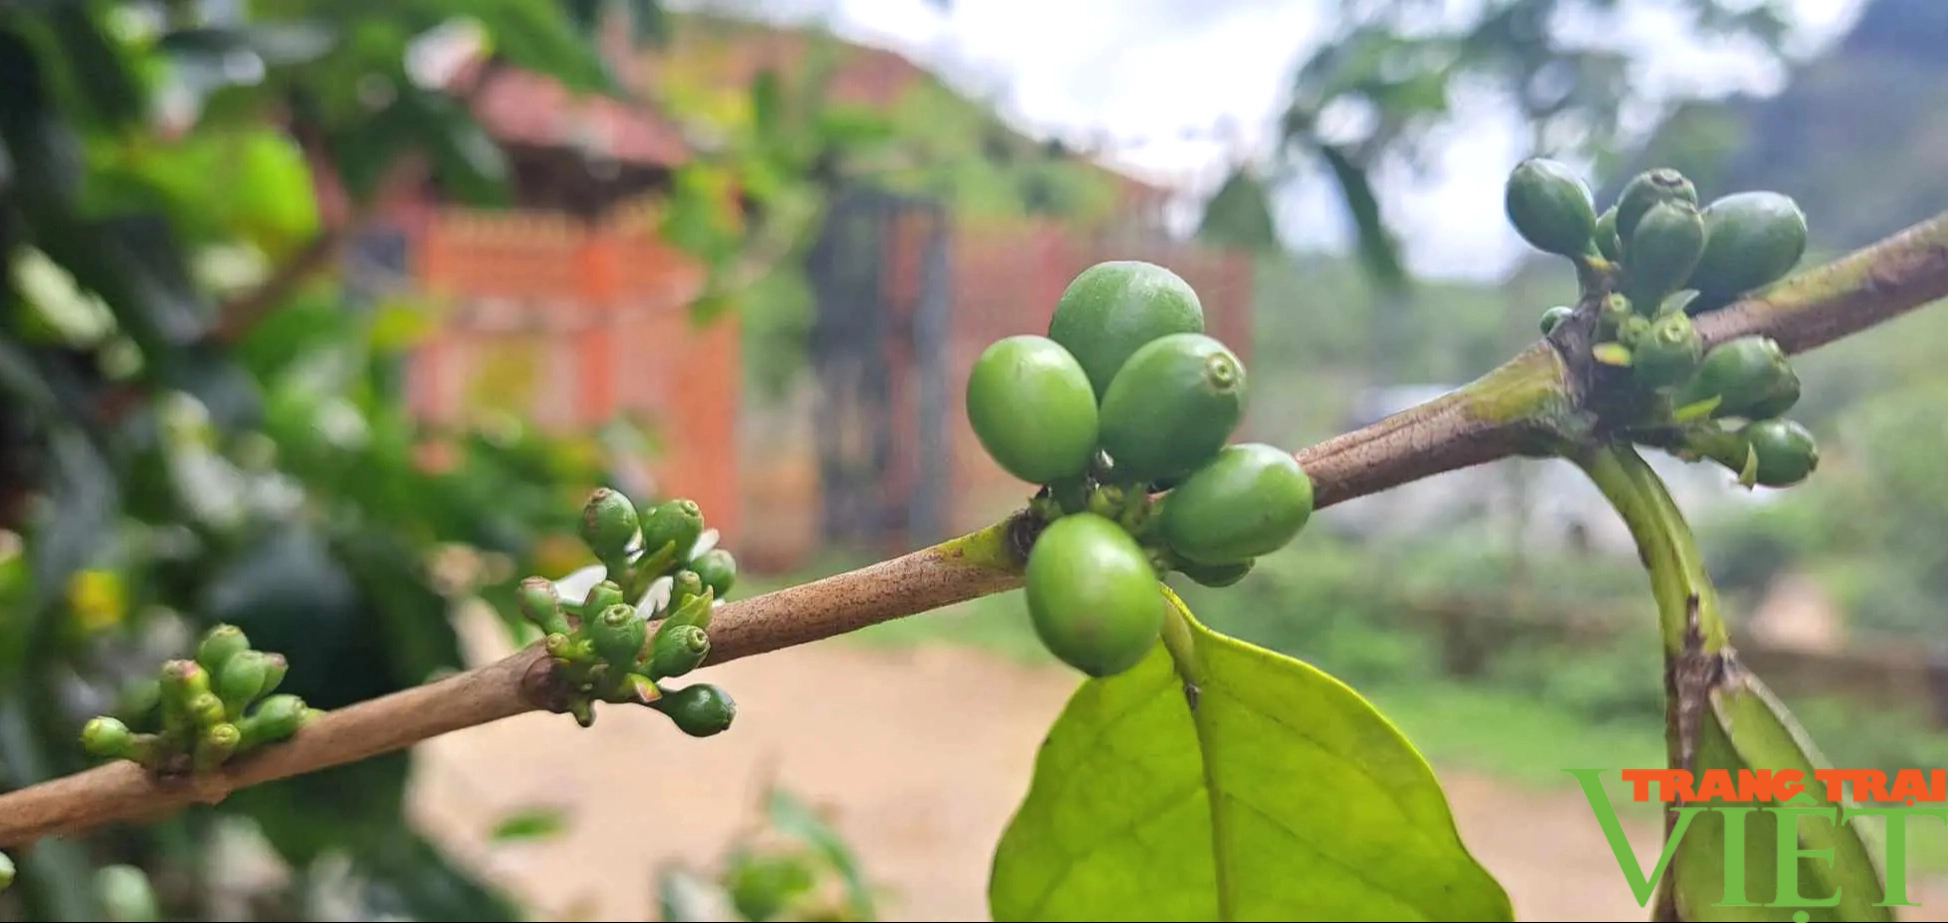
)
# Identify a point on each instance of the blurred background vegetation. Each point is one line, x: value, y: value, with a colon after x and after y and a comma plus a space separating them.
x: 207, y: 416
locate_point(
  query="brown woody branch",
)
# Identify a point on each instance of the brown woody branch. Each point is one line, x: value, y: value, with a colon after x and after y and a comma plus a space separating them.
x: 1516, y: 409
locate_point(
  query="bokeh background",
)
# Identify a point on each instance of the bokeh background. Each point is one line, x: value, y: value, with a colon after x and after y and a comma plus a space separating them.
x: 322, y: 317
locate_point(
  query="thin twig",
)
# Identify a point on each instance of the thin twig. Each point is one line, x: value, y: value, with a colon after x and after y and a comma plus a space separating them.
x: 1514, y: 409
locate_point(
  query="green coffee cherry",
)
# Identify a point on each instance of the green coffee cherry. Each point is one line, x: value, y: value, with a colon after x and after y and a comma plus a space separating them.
x: 1249, y: 500
x: 219, y: 644
x: 608, y: 524
x: 274, y: 720
x: 678, y: 521
x: 1093, y: 595
x: 241, y: 681
x: 718, y: 571
x: 1608, y: 244
x: 1112, y: 309
x: 699, y: 710
x: 216, y: 745
x: 1786, y: 451
x: 1633, y: 329
x: 1032, y: 408
x: 125, y: 895
x: 109, y: 739
x: 1174, y: 404
x: 6, y: 871
x: 1553, y: 318
x: 1550, y: 207
x: 1668, y: 353
x: 678, y: 649
x: 618, y: 634
x: 541, y: 605
x: 1662, y: 253
x: 1216, y: 576
x: 1645, y: 191
x: 184, y: 680
x: 1750, y: 376
x: 1751, y: 239
x: 600, y: 597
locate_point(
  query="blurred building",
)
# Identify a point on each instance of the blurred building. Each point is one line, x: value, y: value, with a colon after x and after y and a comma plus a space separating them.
x: 572, y: 311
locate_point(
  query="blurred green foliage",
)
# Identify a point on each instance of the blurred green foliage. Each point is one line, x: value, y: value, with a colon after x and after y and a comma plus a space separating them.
x: 173, y: 455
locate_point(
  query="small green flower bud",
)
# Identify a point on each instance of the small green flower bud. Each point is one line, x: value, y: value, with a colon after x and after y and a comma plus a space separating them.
x: 541, y: 605
x: 1217, y: 575
x: 216, y: 745
x: 219, y: 645
x: 560, y: 647
x: 125, y: 895
x: 206, y: 710
x: 1608, y: 244
x: 678, y: 650
x: 275, y: 667
x: 1645, y: 191
x: 275, y: 719
x: 700, y: 710
x: 678, y: 521
x: 618, y: 635
x: 107, y: 738
x: 1553, y: 318
x: 1668, y: 354
x: 6, y: 871
x: 718, y: 571
x: 1550, y: 207
x: 1787, y: 452
x: 600, y: 597
x: 182, y: 682
x: 686, y: 585
x: 608, y: 525
x: 583, y: 711
x: 1662, y: 253
x: 241, y: 681
x: 1633, y: 329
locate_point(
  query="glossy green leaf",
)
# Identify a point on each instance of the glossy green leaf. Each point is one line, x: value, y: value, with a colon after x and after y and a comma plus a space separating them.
x: 1280, y: 795
x: 1747, y: 728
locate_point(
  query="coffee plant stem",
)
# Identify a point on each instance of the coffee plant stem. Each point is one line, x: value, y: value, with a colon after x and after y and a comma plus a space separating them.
x: 1696, y: 644
x: 1527, y: 407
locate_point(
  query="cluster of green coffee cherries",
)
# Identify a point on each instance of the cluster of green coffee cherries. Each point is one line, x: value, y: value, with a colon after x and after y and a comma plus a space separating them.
x: 1126, y: 398
x: 1650, y: 263
x: 606, y: 648
x: 208, y: 710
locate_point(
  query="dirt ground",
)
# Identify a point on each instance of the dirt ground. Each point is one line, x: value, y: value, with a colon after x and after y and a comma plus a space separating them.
x: 921, y: 756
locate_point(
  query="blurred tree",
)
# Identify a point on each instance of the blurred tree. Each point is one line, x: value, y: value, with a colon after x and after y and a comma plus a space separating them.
x: 1381, y: 87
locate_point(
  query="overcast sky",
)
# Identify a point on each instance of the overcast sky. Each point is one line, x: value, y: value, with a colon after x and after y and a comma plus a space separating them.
x: 1145, y: 72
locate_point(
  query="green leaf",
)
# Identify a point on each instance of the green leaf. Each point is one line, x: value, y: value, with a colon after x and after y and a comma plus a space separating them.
x: 793, y: 818
x: 1747, y: 728
x: 1281, y: 794
x: 529, y: 824
x: 1379, y: 251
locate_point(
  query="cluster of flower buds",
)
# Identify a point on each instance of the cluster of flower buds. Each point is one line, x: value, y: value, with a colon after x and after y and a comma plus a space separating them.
x: 646, y: 621
x: 206, y: 710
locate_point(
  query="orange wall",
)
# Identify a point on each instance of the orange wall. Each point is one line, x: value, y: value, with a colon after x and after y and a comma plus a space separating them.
x: 573, y: 324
